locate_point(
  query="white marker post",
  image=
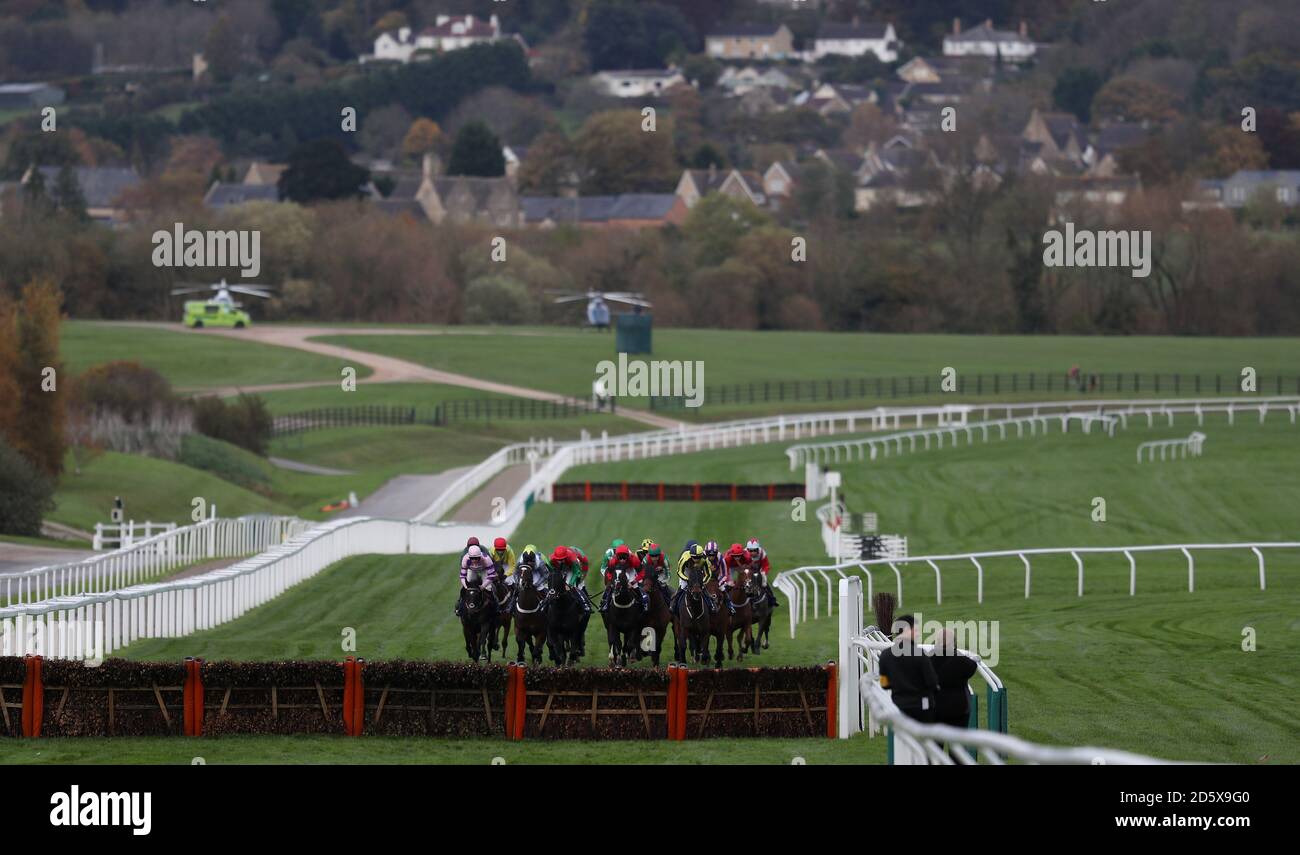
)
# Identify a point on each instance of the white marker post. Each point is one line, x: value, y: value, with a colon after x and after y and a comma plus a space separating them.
x: 833, y: 482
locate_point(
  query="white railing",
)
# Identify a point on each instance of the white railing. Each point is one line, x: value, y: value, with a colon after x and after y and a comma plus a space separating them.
x: 123, y: 535
x: 862, y: 700
x: 1189, y: 445
x: 865, y: 447
x: 152, y: 557
x: 804, y: 584
x: 87, y: 626
x: 1151, y: 407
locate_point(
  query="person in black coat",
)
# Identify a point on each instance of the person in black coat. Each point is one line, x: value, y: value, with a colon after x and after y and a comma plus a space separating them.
x: 952, y: 703
x: 909, y: 674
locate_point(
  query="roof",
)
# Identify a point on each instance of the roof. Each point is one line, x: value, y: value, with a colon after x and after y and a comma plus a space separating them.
x: 222, y: 195
x: 1120, y: 135
x: 641, y: 72
x: 844, y: 32
x: 1264, y: 176
x: 597, y: 209
x: 727, y: 31
x: 642, y: 206
x: 477, y: 28
x: 985, y: 33
x: 22, y: 88
x: 395, y: 207
x: 100, y: 185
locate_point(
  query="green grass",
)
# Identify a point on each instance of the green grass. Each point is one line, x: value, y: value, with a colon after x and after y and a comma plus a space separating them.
x: 565, y: 361
x: 297, y: 750
x: 194, y: 359
x: 151, y: 489
x: 1162, y: 673
x: 422, y: 395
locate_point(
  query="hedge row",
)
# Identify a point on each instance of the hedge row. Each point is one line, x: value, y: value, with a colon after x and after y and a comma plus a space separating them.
x: 404, y: 698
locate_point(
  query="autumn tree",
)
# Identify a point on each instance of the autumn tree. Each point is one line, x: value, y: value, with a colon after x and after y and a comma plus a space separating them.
x: 37, y: 429
x: 618, y: 156
x: 422, y: 137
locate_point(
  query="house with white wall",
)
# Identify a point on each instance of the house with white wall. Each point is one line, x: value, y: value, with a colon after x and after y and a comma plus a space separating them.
x: 856, y: 39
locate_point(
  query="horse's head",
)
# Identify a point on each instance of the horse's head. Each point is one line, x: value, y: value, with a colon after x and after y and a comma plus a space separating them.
x: 695, y: 576
x: 524, y: 577
x: 751, y: 583
x: 556, y: 578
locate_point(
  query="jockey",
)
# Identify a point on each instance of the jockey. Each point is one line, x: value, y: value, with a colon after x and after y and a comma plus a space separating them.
x: 572, y: 562
x: 758, y: 561
x: 609, y: 554
x: 532, y: 557
x: 624, y: 561
x: 716, y: 569
x: 652, y: 559
x: 475, y: 568
x: 473, y: 541
x: 693, y: 556
x: 504, y: 557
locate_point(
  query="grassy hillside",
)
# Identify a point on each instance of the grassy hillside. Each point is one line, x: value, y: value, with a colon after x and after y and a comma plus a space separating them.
x: 194, y: 359
x: 565, y: 361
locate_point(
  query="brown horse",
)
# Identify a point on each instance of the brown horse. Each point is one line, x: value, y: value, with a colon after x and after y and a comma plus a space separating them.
x: 654, y: 623
x: 762, y: 611
x: 719, y: 622
x: 743, y: 619
x: 691, y: 623
x: 530, y: 620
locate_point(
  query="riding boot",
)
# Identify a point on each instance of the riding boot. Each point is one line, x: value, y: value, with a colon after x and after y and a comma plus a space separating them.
x: 713, y: 604
x: 604, y: 600
x: 585, y: 599
x: 460, y: 607
x: 645, y: 602
x: 672, y: 605
x: 731, y: 607
x: 771, y: 597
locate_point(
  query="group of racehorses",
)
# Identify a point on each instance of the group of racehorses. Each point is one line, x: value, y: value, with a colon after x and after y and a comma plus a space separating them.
x: 556, y: 618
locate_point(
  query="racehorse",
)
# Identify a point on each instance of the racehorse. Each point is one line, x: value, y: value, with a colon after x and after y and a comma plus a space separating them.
x: 563, y: 619
x: 719, y: 623
x: 501, y: 595
x: 762, y: 611
x: 742, y: 621
x: 478, y: 620
x: 691, y: 623
x: 656, y: 620
x: 622, y: 619
x: 530, y: 621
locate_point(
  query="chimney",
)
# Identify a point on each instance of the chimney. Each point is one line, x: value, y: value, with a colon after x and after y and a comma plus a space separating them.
x: 440, y: 20
x: 496, y: 23
x: 430, y: 166
x: 956, y: 26
x: 988, y: 22
x: 1024, y: 29
x: 713, y: 171
x: 404, y: 35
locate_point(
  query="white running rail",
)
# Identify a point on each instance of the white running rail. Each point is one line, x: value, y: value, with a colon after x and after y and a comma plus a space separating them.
x: 862, y: 701
x: 152, y: 557
x: 122, y: 535
x: 93, y: 625
x: 866, y: 447
x: 804, y: 584
x: 1188, y: 446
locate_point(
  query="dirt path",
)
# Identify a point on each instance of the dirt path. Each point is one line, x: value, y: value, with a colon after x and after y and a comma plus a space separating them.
x: 478, y: 508
x: 17, y: 557
x: 387, y: 369
x: 403, y: 497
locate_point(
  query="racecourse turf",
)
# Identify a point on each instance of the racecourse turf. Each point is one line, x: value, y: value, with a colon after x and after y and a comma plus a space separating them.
x: 194, y: 359
x: 1162, y: 673
x: 565, y: 361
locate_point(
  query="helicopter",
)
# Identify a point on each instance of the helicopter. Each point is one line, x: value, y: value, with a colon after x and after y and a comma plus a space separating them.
x: 597, y: 309
x: 220, y: 310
